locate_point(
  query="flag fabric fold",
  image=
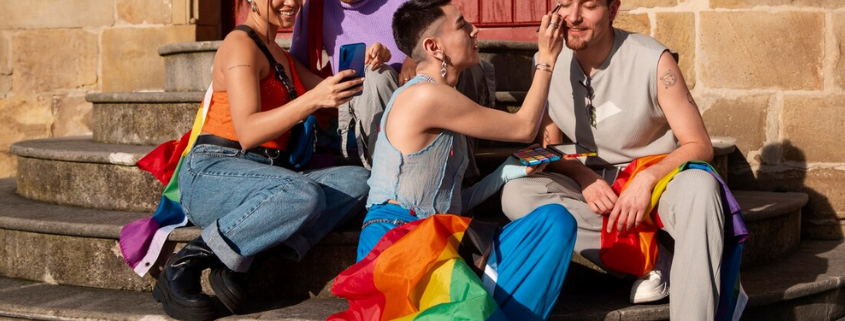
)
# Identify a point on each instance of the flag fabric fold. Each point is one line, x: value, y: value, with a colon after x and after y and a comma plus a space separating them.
x: 416, y: 272
x: 635, y: 252
x: 141, y: 240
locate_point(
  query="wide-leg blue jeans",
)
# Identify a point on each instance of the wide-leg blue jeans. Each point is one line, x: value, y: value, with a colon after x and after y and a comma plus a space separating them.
x: 244, y: 205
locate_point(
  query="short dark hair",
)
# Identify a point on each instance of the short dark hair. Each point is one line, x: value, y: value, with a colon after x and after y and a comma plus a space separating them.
x: 412, y: 19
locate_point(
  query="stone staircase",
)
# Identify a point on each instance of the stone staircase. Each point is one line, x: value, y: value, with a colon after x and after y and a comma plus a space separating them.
x: 60, y: 219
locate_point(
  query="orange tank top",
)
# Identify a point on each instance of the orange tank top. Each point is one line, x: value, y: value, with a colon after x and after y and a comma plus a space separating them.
x: 273, y: 95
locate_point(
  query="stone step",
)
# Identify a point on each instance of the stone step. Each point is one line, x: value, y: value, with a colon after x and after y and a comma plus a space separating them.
x: 803, y: 286
x: 151, y: 118
x: 80, y: 172
x: 143, y: 118
x: 69, y: 245
x: 188, y: 65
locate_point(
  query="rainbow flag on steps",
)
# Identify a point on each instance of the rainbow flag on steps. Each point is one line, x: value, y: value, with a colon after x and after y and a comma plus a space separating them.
x: 416, y: 272
x: 141, y: 240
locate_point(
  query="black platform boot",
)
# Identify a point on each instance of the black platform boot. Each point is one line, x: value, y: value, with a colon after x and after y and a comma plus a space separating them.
x: 179, y: 289
x: 230, y: 287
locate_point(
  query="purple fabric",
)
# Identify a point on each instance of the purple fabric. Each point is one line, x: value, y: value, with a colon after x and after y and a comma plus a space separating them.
x: 135, y: 239
x: 737, y: 227
x: 366, y: 21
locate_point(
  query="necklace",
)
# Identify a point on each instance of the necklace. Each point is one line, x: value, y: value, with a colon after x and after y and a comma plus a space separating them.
x: 426, y: 77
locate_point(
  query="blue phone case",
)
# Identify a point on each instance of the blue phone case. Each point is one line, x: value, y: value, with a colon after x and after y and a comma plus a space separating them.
x: 352, y: 57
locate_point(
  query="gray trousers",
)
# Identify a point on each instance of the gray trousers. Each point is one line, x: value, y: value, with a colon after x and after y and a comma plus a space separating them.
x: 363, y: 113
x: 691, y: 212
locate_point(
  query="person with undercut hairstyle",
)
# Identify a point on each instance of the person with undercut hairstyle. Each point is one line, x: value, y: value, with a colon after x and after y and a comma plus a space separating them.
x: 421, y: 156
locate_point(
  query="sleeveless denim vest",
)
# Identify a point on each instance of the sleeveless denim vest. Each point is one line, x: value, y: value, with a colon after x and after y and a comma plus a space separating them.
x: 426, y: 182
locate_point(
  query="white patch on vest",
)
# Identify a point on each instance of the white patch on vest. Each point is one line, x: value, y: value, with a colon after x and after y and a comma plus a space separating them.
x: 606, y: 110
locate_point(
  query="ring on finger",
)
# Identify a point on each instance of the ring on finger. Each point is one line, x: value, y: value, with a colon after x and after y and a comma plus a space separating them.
x: 554, y: 24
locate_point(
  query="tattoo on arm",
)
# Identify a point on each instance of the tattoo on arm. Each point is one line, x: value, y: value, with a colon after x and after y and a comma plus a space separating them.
x: 668, y: 79
x: 691, y: 100
x: 238, y: 66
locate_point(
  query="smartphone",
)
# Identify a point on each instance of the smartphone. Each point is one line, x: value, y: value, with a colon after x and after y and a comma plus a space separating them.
x: 573, y: 150
x: 352, y: 57
x: 535, y: 155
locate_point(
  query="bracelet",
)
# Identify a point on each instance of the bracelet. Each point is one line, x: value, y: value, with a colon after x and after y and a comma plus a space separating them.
x: 543, y: 68
x: 543, y: 64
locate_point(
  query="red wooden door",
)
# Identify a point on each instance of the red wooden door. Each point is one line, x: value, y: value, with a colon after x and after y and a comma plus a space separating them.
x: 505, y: 19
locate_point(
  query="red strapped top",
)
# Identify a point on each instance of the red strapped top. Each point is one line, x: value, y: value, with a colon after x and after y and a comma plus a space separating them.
x: 273, y: 95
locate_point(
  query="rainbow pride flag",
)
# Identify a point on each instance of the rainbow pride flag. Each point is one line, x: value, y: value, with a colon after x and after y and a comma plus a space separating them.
x: 141, y: 240
x: 635, y: 252
x: 417, y: 271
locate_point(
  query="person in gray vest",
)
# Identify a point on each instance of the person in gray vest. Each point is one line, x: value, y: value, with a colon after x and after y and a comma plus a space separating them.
x: 623, y: 95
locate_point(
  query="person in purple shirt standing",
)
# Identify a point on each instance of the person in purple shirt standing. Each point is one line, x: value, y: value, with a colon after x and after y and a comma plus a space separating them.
x: 368, y: 21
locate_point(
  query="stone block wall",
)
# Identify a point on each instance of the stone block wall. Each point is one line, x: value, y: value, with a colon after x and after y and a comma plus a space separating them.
x: 54, y: 52
x: 770, y: 73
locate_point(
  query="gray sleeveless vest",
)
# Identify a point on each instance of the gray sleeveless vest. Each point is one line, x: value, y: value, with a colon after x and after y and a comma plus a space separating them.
x: 629, y: 121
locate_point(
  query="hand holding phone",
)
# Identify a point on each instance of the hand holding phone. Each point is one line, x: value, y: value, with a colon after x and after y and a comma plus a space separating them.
x: 352, y: 57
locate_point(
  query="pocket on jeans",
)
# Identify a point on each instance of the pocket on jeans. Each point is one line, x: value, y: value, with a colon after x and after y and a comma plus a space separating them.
x: 216, y: 151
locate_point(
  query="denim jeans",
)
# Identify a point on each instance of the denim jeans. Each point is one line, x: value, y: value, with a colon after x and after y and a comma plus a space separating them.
x: 245, y: 206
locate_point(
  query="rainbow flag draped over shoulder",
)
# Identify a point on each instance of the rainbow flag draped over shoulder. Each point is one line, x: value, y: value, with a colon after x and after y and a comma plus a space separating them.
x: 417, y: 271
x: 635, y: 252
x: 141, y: 240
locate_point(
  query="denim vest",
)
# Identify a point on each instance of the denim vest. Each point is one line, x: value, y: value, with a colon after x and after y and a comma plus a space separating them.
x: 426, y: 182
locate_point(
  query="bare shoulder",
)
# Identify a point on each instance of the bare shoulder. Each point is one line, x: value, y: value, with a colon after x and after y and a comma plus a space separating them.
x: 420, y: 95
x: 236, y: 46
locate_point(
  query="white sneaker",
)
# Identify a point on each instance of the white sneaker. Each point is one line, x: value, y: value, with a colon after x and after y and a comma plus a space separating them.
x: 654, y: 285
x: 650, y: 287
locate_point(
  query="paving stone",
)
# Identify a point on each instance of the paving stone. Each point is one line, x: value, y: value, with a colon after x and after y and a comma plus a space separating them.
x: 633, y: 22
x: 633, y: 4
x: 144, y: 11
x: 839, y: 54
x: 129, y: 58
x: 24, y: 117
x: 6, y: 53
x: 801, y: 120
x: 75, y: 52
x: 744, y: 118
x: 736, y: 50
x: 736, y: 4
x: 56, y: 14
x: 73, y: 116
